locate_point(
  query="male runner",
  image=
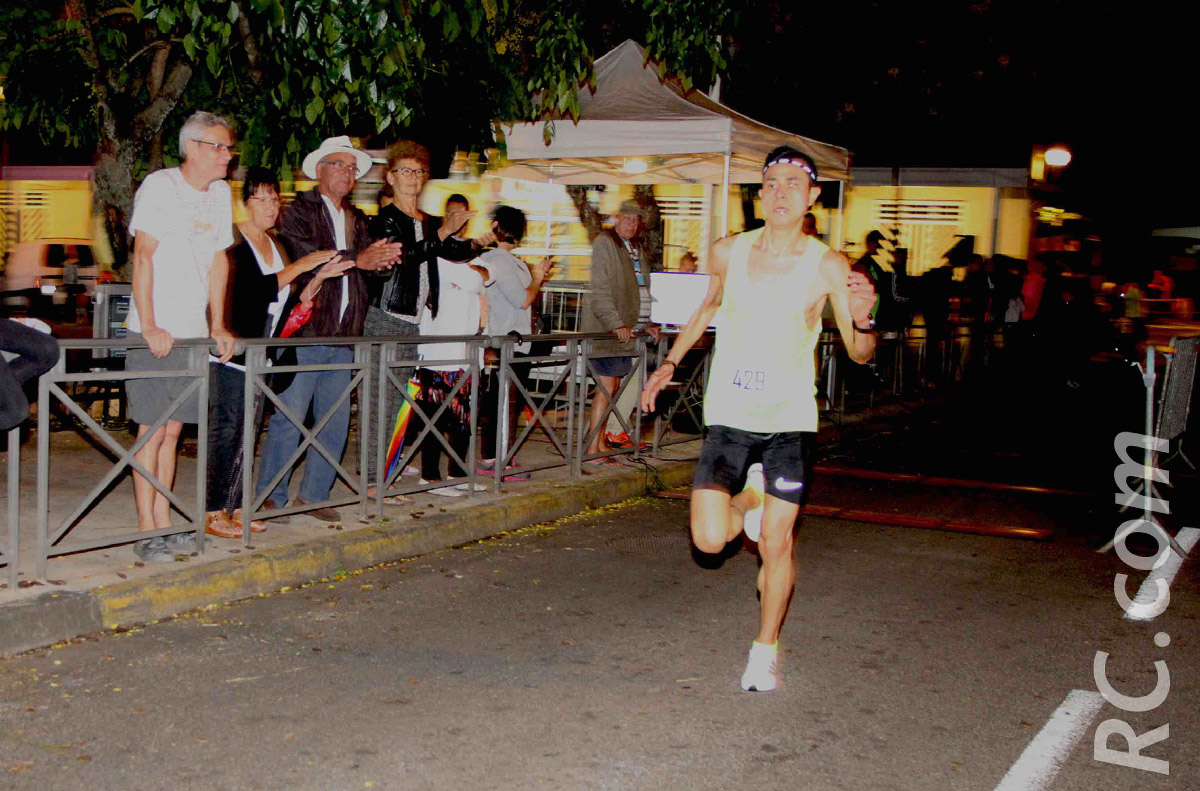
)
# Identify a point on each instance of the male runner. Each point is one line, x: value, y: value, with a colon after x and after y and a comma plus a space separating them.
x: 767, y: 290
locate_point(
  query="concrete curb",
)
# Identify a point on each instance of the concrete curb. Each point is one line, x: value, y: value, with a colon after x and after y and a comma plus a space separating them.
x: 53, y: 617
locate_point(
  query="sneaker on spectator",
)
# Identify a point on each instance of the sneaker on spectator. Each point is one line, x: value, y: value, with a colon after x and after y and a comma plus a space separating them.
x: 181, y: 542
x: 466, y: 487
x: 621, y: 440
x: 153, y: 550
x: 445, y: 491
x: 760, y: 675
x: 488, y: 467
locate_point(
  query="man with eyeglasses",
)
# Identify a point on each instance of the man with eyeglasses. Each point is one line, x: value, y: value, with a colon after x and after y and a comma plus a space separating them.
x: 322, y: 218
x: 182, y: 224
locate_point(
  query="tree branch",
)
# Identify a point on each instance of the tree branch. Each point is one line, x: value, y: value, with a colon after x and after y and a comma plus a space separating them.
x: 159, y: 44
x: 101, y: 84
x: 249, y: 45
x: 154, y: 82
x: 150, y: 120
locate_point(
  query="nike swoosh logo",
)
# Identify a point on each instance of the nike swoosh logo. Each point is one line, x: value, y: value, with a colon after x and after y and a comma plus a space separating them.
x: 787, y: 486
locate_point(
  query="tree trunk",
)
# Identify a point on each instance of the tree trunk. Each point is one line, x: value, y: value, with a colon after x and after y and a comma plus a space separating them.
x: 593, y: 223
x: 112, y: 198
x: 652, y: 224
x: 154, y: 82
x: 748, y: 192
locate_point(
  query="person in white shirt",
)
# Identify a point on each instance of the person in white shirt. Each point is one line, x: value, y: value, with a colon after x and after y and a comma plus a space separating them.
x: 512, y: 288
x: 182, y: 224
x: 458, y: 314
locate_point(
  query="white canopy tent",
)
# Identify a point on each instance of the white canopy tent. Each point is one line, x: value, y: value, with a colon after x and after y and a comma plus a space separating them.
x: 635, y: 129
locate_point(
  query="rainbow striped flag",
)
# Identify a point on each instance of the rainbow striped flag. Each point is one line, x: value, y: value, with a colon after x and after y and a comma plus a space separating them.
x: 400, y: 429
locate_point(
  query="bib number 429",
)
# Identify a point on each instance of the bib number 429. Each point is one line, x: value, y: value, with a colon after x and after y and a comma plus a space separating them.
x: 749, y: 380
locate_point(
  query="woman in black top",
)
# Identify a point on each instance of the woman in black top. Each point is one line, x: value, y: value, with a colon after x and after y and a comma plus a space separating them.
x: 259, y: 280
x: 398, y: 297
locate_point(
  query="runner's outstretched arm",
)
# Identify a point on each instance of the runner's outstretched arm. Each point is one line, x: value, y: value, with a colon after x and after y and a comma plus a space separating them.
x: 719, y: 263
x: 852, y: 296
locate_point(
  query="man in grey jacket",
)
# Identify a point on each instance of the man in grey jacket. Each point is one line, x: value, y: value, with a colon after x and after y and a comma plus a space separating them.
x: 618, y: 302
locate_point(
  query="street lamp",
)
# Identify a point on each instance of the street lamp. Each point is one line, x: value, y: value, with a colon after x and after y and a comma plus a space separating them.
x: 1058, y: 156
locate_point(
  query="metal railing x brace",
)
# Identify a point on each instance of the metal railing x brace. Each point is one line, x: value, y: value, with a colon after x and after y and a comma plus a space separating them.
x: 538, y: 406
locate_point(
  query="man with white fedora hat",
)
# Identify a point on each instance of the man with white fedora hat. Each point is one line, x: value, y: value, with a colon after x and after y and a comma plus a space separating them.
x: 323, y: 219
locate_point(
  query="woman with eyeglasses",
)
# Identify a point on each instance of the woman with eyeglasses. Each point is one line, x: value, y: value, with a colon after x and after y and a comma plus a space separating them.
x: 259, y: 281
x: 399, y: 298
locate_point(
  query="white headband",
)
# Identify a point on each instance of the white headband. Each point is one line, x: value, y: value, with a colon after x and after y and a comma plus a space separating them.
x: 800, y: 163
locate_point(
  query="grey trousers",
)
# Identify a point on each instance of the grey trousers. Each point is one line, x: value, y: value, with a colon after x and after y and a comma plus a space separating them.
x: 381, y: 323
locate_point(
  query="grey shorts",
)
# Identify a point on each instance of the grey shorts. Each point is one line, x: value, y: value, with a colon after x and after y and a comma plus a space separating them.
x: 149, y: 398
x: 611, y: 366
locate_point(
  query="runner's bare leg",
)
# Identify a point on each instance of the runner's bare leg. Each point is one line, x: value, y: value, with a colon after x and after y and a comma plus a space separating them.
x: 717, y: 517
x: 777, y: 577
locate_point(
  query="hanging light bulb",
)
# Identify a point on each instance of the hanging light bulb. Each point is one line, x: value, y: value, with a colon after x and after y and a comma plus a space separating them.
x: 635, y: 166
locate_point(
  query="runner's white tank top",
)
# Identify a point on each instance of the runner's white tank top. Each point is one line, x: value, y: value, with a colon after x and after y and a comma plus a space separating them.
x: 763, y: 376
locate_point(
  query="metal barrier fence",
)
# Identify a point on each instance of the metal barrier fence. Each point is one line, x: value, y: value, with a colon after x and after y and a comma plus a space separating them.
x: 551, y: 385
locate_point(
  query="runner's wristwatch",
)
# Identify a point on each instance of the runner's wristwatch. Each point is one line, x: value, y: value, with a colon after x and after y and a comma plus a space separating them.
x: 868, y: 330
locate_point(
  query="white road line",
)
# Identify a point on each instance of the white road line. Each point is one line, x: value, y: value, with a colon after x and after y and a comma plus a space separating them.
x: 1148, y: 593
x: 1045, y: 755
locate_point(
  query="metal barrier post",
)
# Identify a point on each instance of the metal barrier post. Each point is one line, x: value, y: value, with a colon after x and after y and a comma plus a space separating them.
x: 572, y: 387
x: 637, y: 411
x: 199, y: 364
x: 43, y: 470
x: 503, y: 400
x: 387, y: 353
x: 256, y: 360
x: 12, y: 552
x: 581, y: 433
x: 474, y: 370
x: 362, y: 356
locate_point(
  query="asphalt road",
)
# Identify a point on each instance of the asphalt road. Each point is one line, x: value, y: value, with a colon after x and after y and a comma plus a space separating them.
x: 596, y: 653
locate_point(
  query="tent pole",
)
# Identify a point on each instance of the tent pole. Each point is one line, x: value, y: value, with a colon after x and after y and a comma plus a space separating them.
x: 724, y: 229
x: 706, y: 229
x: 549, y: 210
x: 841, y: 215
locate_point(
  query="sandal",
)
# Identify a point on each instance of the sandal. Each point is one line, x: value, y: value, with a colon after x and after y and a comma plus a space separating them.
x: 256, y: 525
x: 398, y: 499
x: 217, y: 523
x: 603, y: 461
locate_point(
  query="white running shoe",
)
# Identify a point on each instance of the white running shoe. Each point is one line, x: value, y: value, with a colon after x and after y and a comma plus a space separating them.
x: 466, y: 487
x: 444, y: 491
x: 756, y: 483
x: 760, y: 673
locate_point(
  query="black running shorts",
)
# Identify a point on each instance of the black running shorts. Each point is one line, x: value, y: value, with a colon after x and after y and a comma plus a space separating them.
x: 728, y: 452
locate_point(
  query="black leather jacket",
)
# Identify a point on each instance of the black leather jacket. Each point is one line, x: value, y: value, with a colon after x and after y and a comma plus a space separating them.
x: 398, y: 289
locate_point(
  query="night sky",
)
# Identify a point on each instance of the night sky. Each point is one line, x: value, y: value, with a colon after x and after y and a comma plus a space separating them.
x: 979, y: 84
